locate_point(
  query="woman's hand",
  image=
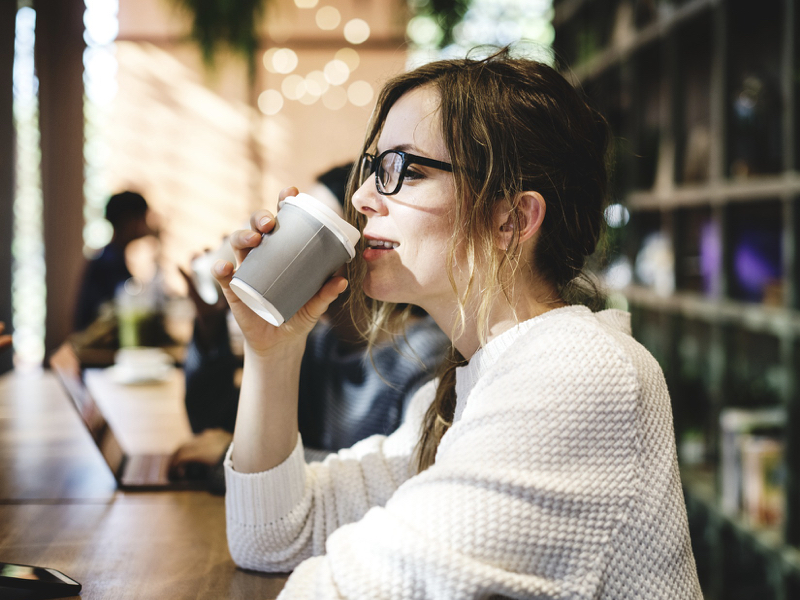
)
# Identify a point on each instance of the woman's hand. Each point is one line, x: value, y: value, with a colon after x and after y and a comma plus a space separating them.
x: 261, y: 337
x: 203, y: 451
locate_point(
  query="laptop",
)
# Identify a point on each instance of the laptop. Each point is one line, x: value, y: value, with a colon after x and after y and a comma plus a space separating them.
x: 144, y: 472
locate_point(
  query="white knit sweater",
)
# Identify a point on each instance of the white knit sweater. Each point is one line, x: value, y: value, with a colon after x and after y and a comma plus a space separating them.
x: 558, y: 479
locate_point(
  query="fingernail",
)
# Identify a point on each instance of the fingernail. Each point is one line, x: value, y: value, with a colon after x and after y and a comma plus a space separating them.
x: 219, y: 266
x: 253, y: 237
x: 264, y: 221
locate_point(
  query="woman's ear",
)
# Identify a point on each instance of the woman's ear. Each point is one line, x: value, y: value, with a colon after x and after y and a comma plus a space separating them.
x: 530, y: 209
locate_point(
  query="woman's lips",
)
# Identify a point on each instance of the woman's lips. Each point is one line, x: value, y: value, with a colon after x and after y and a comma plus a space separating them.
x: 376, y: 248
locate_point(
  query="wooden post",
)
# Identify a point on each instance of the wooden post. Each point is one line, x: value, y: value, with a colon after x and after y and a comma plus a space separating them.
x: 59, y: 64
x: 8, y: 11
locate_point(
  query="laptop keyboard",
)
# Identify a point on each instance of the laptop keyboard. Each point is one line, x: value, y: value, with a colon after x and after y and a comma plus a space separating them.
x: 146, y: 469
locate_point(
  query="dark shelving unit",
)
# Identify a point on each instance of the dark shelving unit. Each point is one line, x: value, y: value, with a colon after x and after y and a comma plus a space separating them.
x: 703, y: 99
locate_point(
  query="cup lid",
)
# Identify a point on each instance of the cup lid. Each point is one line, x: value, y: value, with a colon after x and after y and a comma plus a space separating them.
x: 348, y: 234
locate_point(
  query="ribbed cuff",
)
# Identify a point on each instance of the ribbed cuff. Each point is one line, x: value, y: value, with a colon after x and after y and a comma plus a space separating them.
x: 261, y: 498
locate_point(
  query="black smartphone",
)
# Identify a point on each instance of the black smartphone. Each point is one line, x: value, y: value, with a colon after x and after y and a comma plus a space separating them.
x: 42, y: 580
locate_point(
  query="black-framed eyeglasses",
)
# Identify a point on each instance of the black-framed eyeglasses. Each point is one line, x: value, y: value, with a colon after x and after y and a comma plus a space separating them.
x: 390, y: 168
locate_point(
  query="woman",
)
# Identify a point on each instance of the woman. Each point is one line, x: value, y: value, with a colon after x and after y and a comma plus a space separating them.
x: 542, y: 462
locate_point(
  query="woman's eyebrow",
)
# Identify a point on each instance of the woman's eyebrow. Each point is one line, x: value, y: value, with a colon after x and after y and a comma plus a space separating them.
x: 405, y: 147
x: 410, y: 148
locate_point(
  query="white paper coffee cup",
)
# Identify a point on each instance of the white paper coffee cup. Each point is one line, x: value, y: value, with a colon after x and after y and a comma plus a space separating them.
x: 309, y: 243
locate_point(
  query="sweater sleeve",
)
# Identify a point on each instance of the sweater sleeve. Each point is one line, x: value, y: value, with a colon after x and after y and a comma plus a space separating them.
x: 533, y: 493
x: 278, y: 518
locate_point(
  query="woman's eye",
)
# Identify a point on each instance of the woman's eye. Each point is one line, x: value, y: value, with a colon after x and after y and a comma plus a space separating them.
x: 412, y: 173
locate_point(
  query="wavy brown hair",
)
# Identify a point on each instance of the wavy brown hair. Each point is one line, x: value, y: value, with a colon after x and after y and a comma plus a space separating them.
x: 510, y: 125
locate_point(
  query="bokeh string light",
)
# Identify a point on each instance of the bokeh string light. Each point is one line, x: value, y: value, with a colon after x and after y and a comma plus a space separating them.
x: 284, y: 60
x: 349, y: 57
x: 526, y: 25
x: 332, y: 85
x: 328, y: 18
x: 270, y: 102
x: 356, y: 31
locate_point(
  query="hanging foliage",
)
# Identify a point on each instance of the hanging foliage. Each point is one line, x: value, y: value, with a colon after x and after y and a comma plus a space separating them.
x: 235, y: 24
x: 231, y: 23
x: 448, y: 14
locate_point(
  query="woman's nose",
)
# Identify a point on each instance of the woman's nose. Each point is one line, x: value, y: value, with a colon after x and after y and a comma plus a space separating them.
x: 367, y: 200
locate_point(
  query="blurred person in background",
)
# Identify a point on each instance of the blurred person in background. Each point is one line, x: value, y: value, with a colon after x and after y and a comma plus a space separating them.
x: 127, y: 212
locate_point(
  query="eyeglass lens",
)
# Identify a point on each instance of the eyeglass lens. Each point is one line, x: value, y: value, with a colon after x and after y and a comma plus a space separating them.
x: 389, y: 171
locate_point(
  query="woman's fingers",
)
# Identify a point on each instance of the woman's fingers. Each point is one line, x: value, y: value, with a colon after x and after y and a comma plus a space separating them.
x: 287, y: 192
x: 242, y: 241
x: 223, y: 272
x: 319, y: 303
x: 245, y: 239
x: 332, y: 289
x: 263, y: 221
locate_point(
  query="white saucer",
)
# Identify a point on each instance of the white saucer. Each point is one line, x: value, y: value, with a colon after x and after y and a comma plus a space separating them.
x: 139, y: 374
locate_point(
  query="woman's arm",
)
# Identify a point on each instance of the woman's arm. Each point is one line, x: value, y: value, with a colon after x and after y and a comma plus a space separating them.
x: 266, y: 424
x: 278, y: 518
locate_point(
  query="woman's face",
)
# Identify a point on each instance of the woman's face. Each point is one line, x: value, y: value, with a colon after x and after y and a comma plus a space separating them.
x: 408, y: 234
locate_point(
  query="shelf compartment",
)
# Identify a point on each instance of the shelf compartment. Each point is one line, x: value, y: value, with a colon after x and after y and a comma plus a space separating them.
x: 693, y: 387
x: 647, y: 113
x: 755, y: 252
x: 698, y: 257
x: 754, y: 376
x: 753, y: 96
x: 692, y: 99
x: 649, y: 250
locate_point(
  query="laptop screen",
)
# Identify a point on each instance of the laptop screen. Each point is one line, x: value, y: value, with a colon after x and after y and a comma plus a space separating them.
x: 68, y: 370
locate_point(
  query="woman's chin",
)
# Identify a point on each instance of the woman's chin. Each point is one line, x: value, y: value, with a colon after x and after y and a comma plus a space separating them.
x: 383, y: 293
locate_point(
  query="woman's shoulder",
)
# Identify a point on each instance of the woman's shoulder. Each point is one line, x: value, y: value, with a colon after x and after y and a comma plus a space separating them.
x: 576, y: 330
x: 575, y: 347
x: 570, y: 364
